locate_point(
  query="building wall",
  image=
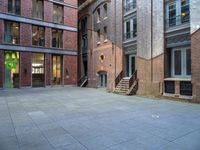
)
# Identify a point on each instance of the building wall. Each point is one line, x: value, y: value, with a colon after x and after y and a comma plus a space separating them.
x: 195, y: 65
x: 68, y: 52
x: 1, y: 68
x: 111, y: 51
x: 150, y: 51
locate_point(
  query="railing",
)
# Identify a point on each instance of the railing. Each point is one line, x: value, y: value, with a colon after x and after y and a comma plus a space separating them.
x: 130, y: 35
x: 119, y: 77
x: 133, y: 78
x: 130, y: 6
x: 81, y: 80
x: 178, y: 20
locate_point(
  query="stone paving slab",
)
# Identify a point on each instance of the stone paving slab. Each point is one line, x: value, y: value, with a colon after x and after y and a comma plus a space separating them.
x: 73, y: 118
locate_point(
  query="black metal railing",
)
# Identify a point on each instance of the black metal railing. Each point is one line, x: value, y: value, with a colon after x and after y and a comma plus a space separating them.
x: 178, y: 20
x: 130, y: 35
x: 130, y: 6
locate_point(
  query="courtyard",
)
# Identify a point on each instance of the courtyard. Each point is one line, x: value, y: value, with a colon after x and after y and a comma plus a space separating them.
x: 72, y: 118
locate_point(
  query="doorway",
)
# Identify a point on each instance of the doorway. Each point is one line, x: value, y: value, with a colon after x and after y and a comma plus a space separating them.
x: 11, y: 69
x: 131, y: 65
x: 56, y: 70
x: 103, y: 79
x: 37, y: 70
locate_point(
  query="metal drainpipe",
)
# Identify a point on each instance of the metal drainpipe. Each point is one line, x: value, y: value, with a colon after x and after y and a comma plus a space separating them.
x: 115, y: 38
x: 151, y: 40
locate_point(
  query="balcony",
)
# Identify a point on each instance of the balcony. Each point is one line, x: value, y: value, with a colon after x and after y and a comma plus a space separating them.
x: 130, y: 35
x: 177, y: 21
x: 130, y: 6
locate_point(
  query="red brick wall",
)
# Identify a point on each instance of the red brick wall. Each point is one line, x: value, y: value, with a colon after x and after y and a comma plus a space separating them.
x: 71, y: 19
x: 70, y: 40
x: 25, y: 34
x: 70, y: 69
x: 25, y: 68
x: 1, y: 68
x: 48, y: 69
x: 26, y: 8
x: 48, y: 11
x: 195, y: 54
x: 48, y: 37
x: 71, y: 2
x: 3, y: 6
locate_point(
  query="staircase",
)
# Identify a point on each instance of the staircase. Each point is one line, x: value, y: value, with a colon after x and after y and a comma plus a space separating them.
x: 127, y: 85
x: 83, y: 81
x: 123, y: 86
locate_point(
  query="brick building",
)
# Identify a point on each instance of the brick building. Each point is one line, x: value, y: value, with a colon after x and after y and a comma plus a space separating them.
x: 100, y: 42
x: 163, y: 39
x: 38, y: 43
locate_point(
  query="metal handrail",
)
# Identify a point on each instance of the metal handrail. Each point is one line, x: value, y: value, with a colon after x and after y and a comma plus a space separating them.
x: 133, y: 78
x: 177, y: 20
x: 119, y: 78
x: 130, y: 35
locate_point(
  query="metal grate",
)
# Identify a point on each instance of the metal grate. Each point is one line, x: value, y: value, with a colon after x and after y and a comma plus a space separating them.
x: 186, y: 88
x: 170, y: 87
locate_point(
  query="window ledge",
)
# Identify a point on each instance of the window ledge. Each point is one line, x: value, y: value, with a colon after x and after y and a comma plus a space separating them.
x: 178, y: 79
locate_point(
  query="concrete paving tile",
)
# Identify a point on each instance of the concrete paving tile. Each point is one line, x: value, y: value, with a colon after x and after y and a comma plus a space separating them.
x: 9, y: 143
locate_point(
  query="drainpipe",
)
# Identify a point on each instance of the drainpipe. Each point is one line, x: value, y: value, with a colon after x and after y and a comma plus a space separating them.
x: 151, y: 40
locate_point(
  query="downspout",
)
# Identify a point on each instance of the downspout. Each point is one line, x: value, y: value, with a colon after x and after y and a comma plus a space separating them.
x: 151, y: 41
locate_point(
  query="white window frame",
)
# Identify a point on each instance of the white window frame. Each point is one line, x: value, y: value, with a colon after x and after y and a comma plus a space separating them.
x: 183, y: 63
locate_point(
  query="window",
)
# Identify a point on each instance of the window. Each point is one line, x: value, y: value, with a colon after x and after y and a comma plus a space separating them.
x: 185, y: 11
x: 38, y: 36
x: 134, y: 27
x: 14, y: 6
x: 38, y: 9
x: 105, y: 34
x: 98, y: 36
x: 178, y: 12
x: 12, y: 32
x: 181, y: 62
x: 128, y: 30
x: 98, y: 15
x: 58, y: 14
x: 172, y: 14
x: 105, y: 11
x: 57, y: 38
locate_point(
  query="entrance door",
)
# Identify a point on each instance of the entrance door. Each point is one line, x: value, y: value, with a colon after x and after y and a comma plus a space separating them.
x: 37, y: 70
x: 103, y: 80
x: 131, y: 65
x: 11, y: 69
x: 56, y: 70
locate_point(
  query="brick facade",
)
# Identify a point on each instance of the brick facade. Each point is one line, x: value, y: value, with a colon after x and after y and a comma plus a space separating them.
x: 69, y: 41
x: 70, y: 69
x: 25, y: 69
x: 195, y: 54
x: 48, y: 69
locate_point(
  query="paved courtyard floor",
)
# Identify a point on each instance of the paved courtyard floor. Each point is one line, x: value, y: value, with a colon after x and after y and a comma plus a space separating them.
x: 74, y: 118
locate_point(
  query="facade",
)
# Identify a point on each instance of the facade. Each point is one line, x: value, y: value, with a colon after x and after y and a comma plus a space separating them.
x: 130, y: 36
x: 164, y: 42
x: 38, y: 43
x: 100, y: 42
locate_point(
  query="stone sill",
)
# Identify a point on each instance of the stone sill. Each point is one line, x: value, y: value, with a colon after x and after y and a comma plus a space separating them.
x: 178, y: 79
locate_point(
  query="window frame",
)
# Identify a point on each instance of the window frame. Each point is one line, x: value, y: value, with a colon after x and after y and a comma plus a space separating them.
x: 38, y: 35
x: 183, y: 62
x: 36, y: 8
x: 5, y: 26
x: 62, y: 43
x: 14, y: 8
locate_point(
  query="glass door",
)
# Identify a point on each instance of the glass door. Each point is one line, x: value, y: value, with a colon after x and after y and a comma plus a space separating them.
x: 131, y: 65
x: 103, y: 80
x: 56, y: 70
x: 11, y: 69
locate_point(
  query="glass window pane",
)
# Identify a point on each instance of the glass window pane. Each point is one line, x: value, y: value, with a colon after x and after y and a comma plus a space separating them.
x: 177, y: 62
x: 188, y: 59
x: 10, y: 6
x: 35, y: 35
